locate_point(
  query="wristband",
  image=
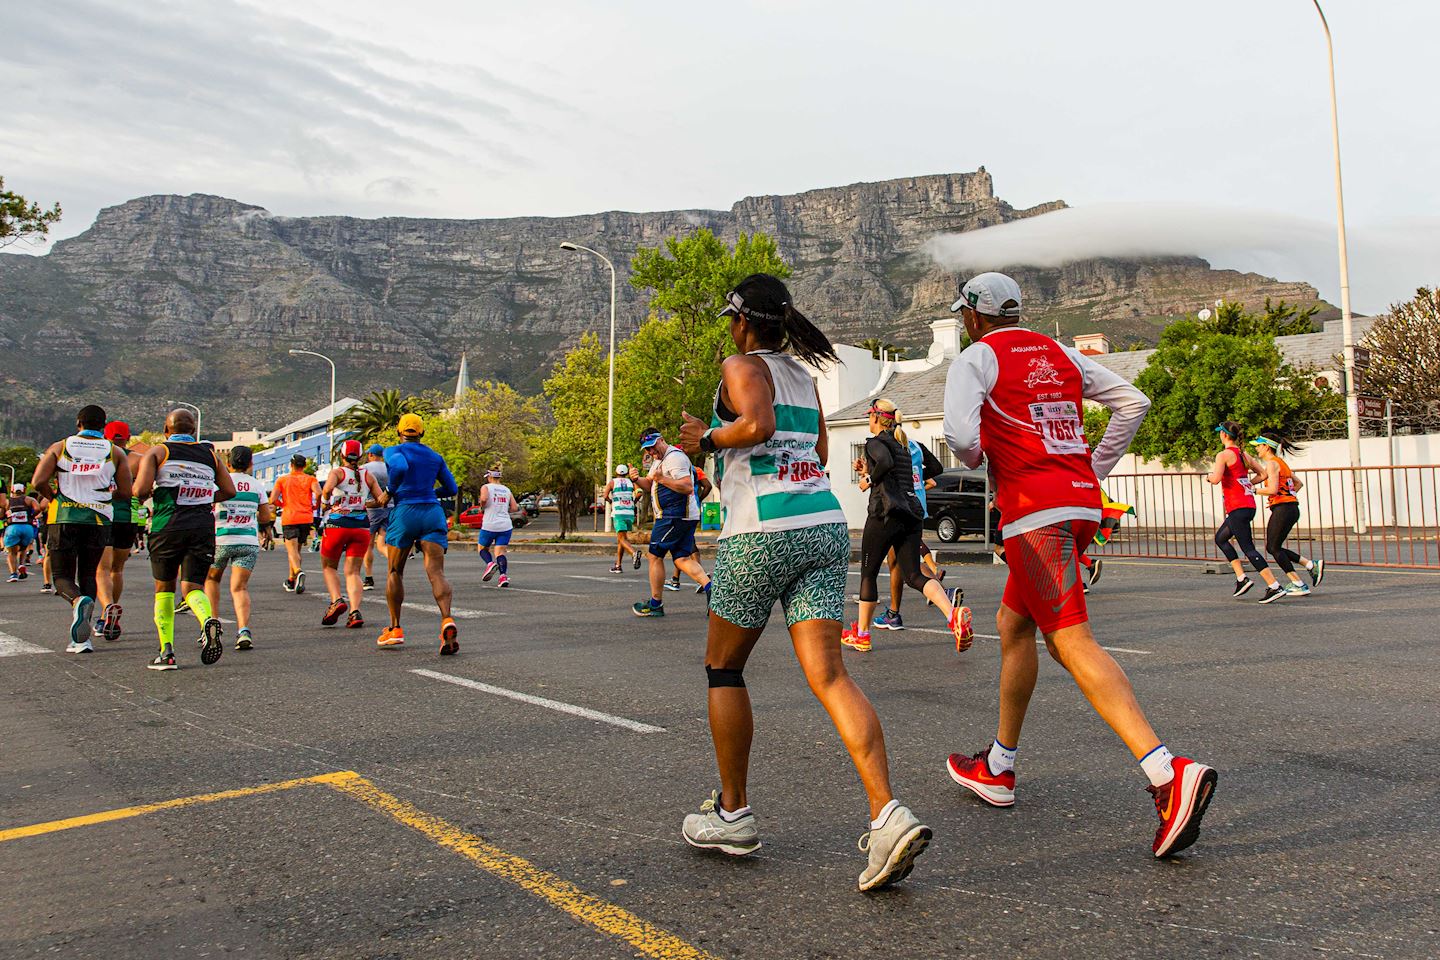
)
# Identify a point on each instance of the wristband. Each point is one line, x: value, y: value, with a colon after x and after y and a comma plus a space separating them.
x: 707, y: 442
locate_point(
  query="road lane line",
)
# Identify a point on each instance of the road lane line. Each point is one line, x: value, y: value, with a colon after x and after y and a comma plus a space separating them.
x: 645, y: 937
x: 122, y: 813
x: 610, y: 579
x: 549, y: 704
x: 459, y: 613
x: 992, y: 636
x: 15, y: 647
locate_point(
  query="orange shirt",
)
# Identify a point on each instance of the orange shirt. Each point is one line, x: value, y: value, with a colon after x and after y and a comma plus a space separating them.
x: 1286, y: 491
x: 296, y: 495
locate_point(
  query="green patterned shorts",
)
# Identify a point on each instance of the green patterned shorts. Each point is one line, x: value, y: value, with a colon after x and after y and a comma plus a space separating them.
x: 803, y: 569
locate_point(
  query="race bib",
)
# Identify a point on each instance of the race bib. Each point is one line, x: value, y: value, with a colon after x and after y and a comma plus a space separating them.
x: 1060, y: 427
x: 800, y: 472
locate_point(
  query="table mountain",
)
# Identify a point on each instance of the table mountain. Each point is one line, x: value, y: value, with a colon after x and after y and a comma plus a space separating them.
x: 200, y: 297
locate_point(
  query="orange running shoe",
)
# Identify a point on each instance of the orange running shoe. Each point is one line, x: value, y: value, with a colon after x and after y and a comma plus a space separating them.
x: 391, y: 637
x: 854, y: 639
x: 449, y: 637
x: 961, y: 624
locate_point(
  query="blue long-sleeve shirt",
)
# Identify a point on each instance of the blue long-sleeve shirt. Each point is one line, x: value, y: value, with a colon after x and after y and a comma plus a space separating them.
x: 418, y: 474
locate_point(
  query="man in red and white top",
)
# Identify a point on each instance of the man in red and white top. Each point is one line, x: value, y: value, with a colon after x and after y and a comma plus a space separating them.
x: 1015, y: 396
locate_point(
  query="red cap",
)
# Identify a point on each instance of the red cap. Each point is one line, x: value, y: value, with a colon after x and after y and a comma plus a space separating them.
x: 117, y: 431
x: 350, y: 449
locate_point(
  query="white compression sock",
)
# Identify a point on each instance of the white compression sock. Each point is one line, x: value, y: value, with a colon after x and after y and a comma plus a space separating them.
x: 1156, y: 765
x: 1001, y: 758
x: 885, y: 811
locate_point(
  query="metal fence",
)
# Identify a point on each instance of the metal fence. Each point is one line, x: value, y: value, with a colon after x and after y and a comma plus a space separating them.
x: 1370, y: 516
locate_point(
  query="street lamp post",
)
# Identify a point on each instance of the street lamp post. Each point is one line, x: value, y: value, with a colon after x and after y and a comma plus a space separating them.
x: 1352, y: 400
x: 188, y: 406
x: 610, y: 403
x: 330, y: 431
x: 12, y: 476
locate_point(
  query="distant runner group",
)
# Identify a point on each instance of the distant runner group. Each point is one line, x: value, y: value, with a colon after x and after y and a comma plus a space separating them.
x: 1013, y: 399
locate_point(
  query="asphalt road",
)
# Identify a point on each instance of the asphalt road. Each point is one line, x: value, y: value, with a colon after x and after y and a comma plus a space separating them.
x: 458, y: 821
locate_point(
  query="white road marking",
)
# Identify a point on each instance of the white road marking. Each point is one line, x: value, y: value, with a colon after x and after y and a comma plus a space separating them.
x: 548, y: 593
x: 549, y: 704
x: 610, y: 579
x: 459, y: 613
x: 15, y: 647
x: 1038, y: 642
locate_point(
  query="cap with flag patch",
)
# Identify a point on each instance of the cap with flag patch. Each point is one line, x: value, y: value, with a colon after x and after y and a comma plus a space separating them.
x: 993, y: 294
x: 350, y: 449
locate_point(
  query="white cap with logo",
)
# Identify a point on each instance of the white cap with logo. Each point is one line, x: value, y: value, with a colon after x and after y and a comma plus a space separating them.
x: 623, y: 470
x: 990, y: 294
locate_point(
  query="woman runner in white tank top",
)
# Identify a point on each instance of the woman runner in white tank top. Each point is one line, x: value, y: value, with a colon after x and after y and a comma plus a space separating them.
x: 784, y: 539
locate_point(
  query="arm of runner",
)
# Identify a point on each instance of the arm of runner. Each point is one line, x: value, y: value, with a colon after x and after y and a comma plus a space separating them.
x: 931, y: 467
x: 224, y: 483
x: 879, y: 461
x: 124, y: 482
x: 1127, y: 405
x: 971, y: 378
x: 373, y: 486
x: 1271, y: 484
x: 822, y: 443
x: 1217, y: 469
x: 745, y: 389
x: 45, y: 471
x: 447, y: 487
x: 276, y: 497
x: 145, y: 479
x: 681, y: 479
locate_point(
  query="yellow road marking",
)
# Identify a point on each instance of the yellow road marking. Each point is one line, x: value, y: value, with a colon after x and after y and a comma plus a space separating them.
x: 606, y: 917
x: 53, y: 826
x: 645, y: 937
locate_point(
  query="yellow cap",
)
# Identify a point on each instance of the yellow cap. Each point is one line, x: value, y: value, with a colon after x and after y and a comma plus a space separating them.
x: 411, y: 426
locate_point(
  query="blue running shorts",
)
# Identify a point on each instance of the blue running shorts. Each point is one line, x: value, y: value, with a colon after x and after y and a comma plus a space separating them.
x: 413, y: 522
x: 494, y: 538
x: 673, y: 535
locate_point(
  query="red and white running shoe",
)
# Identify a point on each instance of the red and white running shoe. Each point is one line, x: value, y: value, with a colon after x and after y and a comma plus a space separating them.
x: 1181, y: 803
x: 974, y: 774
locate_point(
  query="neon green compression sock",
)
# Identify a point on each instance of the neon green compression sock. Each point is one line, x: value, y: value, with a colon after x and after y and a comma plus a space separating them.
x: 199, y: 605
x: 165, y: 619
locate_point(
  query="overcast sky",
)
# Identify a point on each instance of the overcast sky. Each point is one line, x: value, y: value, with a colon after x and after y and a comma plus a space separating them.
x: 485, y: 109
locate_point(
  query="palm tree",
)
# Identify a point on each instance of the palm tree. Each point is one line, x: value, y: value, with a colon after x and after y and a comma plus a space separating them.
x: 379, y: 412
x: 875, y: 345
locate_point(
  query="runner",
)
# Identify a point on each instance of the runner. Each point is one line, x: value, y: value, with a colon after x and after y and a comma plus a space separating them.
x: 347, y: 534
x: 894, y: 521
x: 1232, y: 471
x: 1014, y: 396
x: 672, y: 484
x: 242, y: 524
x: 110, y: 579
x: 784, y: 538
x: 184, y: 480
x: 496, y: 526
x: 296, y: 495
x: 42, y: 537
x: 419, y: 479
x: 377, y: 516
x: 620, y: 491
x: 924, y: 468
x: 87, y: 471
x: 1280, y: 486
x: 20, y: 530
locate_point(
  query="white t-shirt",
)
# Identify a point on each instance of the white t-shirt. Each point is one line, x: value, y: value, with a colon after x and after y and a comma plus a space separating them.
x: 676, y: 466
x: 498, y: 499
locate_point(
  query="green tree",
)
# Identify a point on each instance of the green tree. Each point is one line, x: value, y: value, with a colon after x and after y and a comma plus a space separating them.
x: 673, y: 362
x: 576, y: 392
x: 1278, y: 320
x: 492, y: 425
x: 1405, y: 352
x: 381, y: 411
x: 1198, y: 377
x: 23, y: 459
x: 23, y: 219
x: 567, y: 474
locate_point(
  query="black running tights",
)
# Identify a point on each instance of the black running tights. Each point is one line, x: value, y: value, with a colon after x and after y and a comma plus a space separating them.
x: 1283, y: 517
x: 1237, y: 527
x: 879, y: 536
x: 76, y: 550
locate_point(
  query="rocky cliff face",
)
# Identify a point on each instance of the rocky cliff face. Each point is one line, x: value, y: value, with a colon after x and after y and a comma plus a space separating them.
x: 200, y: 297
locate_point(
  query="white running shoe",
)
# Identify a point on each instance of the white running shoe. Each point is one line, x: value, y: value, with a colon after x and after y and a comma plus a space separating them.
x: 709, y: 831
x: 893, y: 848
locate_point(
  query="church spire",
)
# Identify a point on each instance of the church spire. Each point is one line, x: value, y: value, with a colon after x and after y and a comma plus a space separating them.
x: 462, y: 382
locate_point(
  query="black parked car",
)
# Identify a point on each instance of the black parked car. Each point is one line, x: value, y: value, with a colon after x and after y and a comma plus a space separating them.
x: 957, y: 506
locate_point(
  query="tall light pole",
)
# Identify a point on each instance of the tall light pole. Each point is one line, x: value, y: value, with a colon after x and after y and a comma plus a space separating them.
x: 610, y: 403
x: 12, y: 477
x: 188, y: 406
x: 1352, y: 400
x: 330, y: 431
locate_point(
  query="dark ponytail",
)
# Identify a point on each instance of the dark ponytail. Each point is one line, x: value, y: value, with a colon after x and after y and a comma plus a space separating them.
x: 767, y: 307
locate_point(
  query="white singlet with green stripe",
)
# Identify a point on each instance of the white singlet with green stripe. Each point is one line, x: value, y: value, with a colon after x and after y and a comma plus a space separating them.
x: 779, y: 484
x: 237, y: 519
x: 622, y: 500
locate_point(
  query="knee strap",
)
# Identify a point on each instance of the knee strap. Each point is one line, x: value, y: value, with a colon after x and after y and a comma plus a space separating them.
x: 725, y: 678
